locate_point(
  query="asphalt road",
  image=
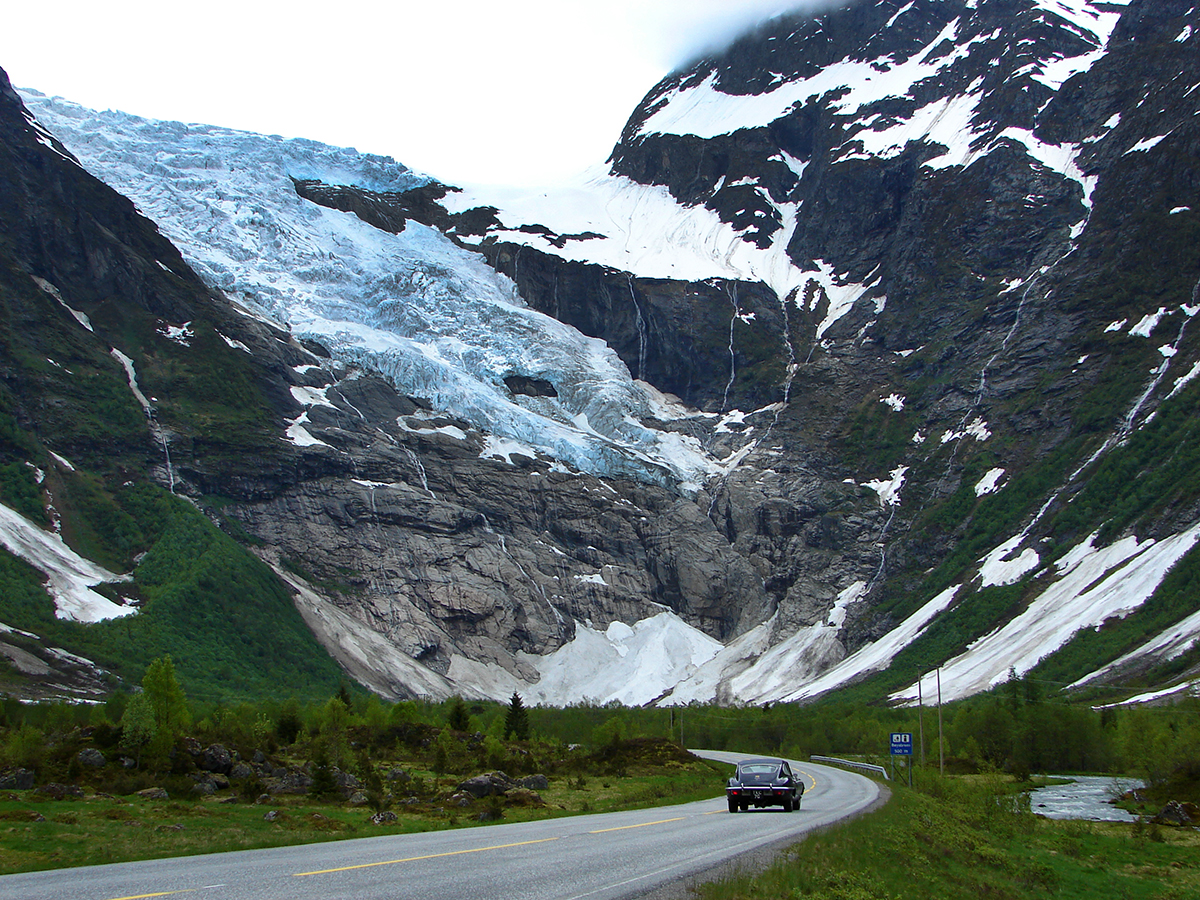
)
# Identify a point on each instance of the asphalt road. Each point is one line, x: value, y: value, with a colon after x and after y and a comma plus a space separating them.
x: 600, y: 857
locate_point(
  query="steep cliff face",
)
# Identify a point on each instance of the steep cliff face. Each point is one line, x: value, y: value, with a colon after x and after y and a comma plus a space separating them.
x: 972, y: 228
x: 921, y: 277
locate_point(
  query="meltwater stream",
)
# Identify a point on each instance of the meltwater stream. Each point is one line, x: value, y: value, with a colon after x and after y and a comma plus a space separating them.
x: 1086, y: 797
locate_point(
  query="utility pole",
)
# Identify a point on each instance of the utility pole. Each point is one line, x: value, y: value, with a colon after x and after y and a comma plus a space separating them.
x: 941, y: 746
x: 921, y: 717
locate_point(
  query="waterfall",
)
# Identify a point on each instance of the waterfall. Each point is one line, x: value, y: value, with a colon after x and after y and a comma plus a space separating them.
x: 641, y: 331
x: 731, y: 292
x: 416, y: 461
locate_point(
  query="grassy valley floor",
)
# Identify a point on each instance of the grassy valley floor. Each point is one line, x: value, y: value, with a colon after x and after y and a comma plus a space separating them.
x: 40, y: 833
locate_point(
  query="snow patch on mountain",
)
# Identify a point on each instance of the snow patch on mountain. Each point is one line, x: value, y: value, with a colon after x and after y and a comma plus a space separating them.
x: 1000, y: 567
x: 751, y: 670
x: 989, y: 483
x: 69, y: 577
x: 643, y: 230
x: 1091, y: 584
x: 889, y: 489
x: 631, y: 664
x: 1171, y: 643
x: 877, y: 655
x: 703, y: 110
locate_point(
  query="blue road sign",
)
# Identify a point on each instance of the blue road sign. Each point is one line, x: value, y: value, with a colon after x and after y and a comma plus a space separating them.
x: 901, y: 743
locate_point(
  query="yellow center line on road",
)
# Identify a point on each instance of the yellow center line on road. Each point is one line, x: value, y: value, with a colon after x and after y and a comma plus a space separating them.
x: 392, y: 862
x: 642, y: 825
x: 159, y: 894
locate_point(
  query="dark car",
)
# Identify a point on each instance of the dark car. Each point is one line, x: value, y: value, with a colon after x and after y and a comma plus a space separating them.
x: 764, y: 782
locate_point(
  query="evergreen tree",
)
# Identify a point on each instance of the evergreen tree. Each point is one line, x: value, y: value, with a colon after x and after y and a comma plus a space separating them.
x: 460, y: 719
x: 516, y: 720
x: 324, y: 786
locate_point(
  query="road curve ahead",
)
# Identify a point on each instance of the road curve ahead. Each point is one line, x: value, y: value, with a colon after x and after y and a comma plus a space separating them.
x: 599, y: 857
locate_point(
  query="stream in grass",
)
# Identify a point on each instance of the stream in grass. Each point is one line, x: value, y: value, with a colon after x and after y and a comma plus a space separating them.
x: 1086, y: 797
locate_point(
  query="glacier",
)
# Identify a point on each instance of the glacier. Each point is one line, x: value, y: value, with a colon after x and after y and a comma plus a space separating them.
x: 415, y: 307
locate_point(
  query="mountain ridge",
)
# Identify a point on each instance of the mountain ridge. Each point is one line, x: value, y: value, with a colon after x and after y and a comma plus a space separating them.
x: 918, y: 314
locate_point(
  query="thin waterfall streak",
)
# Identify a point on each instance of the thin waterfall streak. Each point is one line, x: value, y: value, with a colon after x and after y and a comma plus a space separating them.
x: 641, y: 331
x: 416, y: 461
x: 731, y: 292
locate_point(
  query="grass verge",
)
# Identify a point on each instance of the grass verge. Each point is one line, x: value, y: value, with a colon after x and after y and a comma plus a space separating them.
x: 956, y: 839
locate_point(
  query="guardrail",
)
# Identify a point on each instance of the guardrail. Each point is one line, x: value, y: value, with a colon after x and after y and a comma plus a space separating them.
x: 868, y: 767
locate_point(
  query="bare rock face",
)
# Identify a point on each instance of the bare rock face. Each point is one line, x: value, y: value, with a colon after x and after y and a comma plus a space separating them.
x: 450, y: 554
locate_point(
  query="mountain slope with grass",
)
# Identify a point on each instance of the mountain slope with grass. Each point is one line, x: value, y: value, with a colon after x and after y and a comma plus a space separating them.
x: 871, y: 350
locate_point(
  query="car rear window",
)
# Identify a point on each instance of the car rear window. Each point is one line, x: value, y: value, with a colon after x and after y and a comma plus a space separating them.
x: 758, y: 769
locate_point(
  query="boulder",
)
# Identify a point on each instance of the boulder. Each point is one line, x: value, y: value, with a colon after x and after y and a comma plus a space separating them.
x: 16, y: 780
x: 91, y: 757
x: 1174, y: 813
x: 488, y: 784
x: 216, y: 758
x: 535, y: 782
x: 387, y: 817
x: 242, y: 770
x: 523, y: 797
x: 290, y: 782
x: 358, y: 798
x: 154, y: 793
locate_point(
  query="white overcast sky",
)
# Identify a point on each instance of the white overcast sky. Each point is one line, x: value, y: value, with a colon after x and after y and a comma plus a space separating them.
x: 470, y: 91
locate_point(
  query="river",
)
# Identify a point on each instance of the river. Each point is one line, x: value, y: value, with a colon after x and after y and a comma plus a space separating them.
x: 1086, y: 797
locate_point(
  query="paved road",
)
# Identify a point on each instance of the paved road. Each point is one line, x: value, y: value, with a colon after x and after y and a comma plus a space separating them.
x: 601, y: 857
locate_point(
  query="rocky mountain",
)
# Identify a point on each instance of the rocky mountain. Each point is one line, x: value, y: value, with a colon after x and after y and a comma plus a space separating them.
x: 869, y: 351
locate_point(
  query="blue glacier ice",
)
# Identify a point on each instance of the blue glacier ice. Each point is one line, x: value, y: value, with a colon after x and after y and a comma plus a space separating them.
x: 415, y: 307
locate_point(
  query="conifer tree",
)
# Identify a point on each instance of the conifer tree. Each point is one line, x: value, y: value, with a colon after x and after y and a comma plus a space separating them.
x: 459, y: 719
x: 516, y: 720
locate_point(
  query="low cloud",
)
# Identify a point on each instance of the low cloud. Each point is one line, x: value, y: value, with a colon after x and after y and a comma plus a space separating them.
x: 679, y: 31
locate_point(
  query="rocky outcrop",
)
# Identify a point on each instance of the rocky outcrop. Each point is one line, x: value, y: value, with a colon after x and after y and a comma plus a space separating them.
x: 676, y: 335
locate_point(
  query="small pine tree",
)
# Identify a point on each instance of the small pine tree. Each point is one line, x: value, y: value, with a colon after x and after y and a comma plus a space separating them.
x: 324, y: 785
x: 460, y: 719
x: 516, y: 720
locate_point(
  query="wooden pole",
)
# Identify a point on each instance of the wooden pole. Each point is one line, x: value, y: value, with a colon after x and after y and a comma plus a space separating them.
x: 921, y: 717
x: 941, y: 745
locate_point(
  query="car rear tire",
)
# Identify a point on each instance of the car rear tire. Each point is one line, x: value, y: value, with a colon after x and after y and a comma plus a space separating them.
x: 733, y: 807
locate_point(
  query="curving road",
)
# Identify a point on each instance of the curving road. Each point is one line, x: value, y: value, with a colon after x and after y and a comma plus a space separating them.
x: 601, y: 857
